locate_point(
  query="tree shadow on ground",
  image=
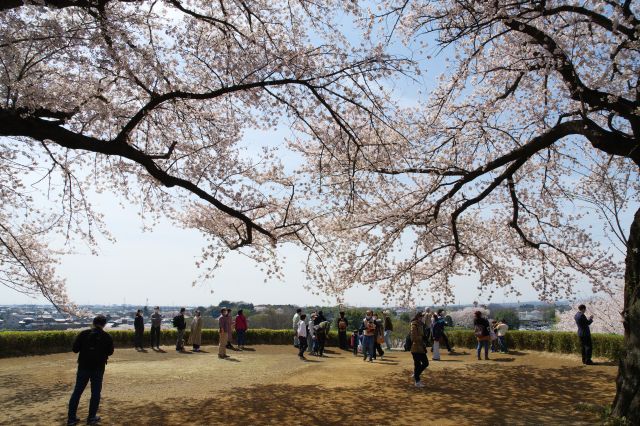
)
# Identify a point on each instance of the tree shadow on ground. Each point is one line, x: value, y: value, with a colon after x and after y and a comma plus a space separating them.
x: 479, y: 393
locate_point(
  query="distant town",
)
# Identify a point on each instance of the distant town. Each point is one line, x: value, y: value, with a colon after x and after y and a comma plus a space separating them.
x: 527, y: 316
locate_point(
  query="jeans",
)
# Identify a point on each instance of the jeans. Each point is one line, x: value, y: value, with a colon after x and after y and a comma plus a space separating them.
x: 485, y: 344
x: 587, y: 348
x: 138, y: 338
x: 240, y: 335
x: 82, y: 378
x: 503, y: 343
x: 436, y: 349
x: 302, y: 346
x: 155, y: 337
x: 342, y: 339
x: 378, y: 347
x: 179, y: 342
x: 368, y: 344
x: 420, y: 363
x: 387, y: 339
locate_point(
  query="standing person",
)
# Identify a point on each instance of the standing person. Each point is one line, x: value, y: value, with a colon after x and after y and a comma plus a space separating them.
x: 94, y: 347
x: 230, y: 332
x: 224, y: 324
x: 322, y: 330
x: 138, y: 325
x: 481, y: 330
x: 379, y: 336
x: 296, y: 320
x: 241, y: 328
x: 181, y: 324
x: 368, y: 328
x: 156, y: 322
x: 195, y: 336
x: 388, y: 329
x: 437, y: 331
x: 418, y: 349
x: 584, y: 333
x: 310, y: 337
x: 342, y: 324
x: 493, y: 336
x: 427, y: 317
x: 301, y: 333
x: 501, y: 330
x: 445, y: 338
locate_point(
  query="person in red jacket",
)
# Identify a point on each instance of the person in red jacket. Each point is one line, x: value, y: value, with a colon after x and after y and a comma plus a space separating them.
x: 241, y: 328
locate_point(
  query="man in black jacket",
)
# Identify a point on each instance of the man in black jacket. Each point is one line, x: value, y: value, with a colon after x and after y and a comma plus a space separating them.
x: 138, y: 325
x: 342, y: 323
x: 93, y: 346
x: 584, y: 333
x: 181, y: 325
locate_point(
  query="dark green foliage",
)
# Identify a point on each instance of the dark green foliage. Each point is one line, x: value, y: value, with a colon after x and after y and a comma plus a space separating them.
x: 19, y: 343
x: 510, y: 316
x: 608, y: 346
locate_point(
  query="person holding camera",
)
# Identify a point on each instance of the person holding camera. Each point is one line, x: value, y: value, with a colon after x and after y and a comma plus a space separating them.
x: 584, y: 333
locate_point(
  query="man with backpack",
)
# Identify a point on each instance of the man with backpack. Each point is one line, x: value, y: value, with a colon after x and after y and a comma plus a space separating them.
x: 180, y: 323
x: 94, y: 347
x: 342, y: 324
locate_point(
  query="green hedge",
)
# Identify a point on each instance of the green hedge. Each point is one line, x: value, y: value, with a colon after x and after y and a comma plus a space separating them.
x: 608, y: 346
x: 18, y: 343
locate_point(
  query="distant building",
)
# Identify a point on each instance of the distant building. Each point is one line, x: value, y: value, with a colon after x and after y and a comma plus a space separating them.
x: 530, y: 316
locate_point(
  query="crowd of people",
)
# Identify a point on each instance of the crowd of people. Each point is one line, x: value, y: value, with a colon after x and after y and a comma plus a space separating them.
x: 427, y: 329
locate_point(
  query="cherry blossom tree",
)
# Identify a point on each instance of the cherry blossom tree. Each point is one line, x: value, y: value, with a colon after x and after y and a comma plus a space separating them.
x: 605, y: 308
x: 532, y: 134
x: 153, y: 100
x: 464, y: 317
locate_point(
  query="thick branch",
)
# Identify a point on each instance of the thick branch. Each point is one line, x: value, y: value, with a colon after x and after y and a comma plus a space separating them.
x: 11, y: 124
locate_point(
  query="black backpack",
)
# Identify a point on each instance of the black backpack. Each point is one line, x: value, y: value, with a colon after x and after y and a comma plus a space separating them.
x: 176, y: 321
x: 407, y: 343
x: 93, y: 347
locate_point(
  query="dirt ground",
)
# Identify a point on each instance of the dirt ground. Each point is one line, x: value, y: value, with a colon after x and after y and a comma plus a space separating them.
x: 269, y: 385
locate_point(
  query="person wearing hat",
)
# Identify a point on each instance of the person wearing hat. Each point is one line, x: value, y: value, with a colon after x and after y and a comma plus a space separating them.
x: 224, y: 323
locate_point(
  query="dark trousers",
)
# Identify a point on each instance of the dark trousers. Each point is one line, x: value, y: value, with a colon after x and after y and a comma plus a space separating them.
x: 342, y: 339
x: 322, y: 338
x: 587, y: 348
x: 378, y: 348
x: 155, y: 337
x: 420, y: 363
x: 445, y: 340
x: 180, y: 340
x: 82, y: 378
x: 240, y: 337
x: 302, y: 346
x: 356, y: 341
x: 138, y: 337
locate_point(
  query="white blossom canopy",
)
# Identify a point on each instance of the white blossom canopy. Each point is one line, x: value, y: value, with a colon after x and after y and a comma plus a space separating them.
x: 533, y: 128
x: 152, y: 100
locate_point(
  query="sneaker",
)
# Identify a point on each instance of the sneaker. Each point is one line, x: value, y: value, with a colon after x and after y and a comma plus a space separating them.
x: 303, y: 358
x: 93, y: 420
x: 73, y: 422
x: 419, y: 385
x: 589, y: 363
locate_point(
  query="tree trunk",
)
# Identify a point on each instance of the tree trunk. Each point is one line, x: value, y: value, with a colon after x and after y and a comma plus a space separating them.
x: 627, y: 400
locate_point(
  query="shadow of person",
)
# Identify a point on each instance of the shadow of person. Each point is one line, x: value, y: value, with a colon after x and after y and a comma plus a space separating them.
x: 245, y: 349
x: 508, y: 359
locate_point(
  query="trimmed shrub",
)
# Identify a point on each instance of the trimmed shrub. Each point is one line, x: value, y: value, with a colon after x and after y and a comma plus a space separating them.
x: 608, y: 346
x: 19, y: 343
